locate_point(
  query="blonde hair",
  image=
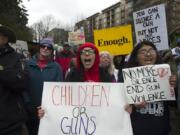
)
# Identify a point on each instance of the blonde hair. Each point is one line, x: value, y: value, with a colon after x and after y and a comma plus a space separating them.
x: 111, y: 66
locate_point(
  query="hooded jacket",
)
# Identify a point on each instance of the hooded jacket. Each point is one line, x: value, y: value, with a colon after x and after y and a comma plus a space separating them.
x: 97, y: 74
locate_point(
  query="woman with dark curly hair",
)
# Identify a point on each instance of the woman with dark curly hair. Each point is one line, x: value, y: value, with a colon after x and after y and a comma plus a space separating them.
x: 149, y: 118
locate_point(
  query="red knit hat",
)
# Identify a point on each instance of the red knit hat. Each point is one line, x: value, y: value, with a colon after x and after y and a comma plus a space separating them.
x: 91, y: 74
x: 90, y: 45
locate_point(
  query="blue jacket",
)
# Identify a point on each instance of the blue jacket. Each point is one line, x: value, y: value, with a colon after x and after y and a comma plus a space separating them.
x: 51, y: 73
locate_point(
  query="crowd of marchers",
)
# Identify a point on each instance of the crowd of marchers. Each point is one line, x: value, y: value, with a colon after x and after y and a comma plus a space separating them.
x: 21, y: 81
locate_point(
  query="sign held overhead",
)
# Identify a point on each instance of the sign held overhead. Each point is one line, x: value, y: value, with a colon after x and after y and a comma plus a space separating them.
x: 116, y: 40
x: 150, y: 24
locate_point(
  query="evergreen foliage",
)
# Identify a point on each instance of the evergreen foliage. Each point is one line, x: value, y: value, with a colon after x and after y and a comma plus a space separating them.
x: 14, y: 15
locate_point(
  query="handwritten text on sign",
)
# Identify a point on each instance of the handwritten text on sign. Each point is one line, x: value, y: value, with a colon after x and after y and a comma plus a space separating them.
x: 84, y: 109
x: 150, y: 24
x: 148, y: 83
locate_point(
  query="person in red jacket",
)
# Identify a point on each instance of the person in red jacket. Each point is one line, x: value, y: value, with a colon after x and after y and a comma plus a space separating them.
x: 64, y: 57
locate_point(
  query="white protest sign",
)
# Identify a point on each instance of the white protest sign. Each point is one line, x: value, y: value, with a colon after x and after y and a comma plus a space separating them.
x: 84, y: 109
x: 148, y: 83
x: 76, y: 38
x: 21, y: 47
x: 150, y: 24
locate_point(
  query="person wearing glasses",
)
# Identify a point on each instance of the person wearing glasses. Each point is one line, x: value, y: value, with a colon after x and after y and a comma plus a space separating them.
x: 149, y: 118
x: 87, y: 69
x: 41, y: 68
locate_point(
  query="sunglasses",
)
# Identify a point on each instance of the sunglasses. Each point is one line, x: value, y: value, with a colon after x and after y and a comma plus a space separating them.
x: 48, y: 48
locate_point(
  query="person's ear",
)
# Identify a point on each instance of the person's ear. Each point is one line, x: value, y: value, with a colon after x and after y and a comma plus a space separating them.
x: 5, y: 40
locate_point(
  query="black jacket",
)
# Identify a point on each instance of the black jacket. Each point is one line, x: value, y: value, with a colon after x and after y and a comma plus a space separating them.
x: 76, y: 76
x: 13, y: 81
x: 153, y: 119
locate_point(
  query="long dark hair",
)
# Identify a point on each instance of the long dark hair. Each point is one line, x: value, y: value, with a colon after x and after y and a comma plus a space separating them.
x: 133, y: 62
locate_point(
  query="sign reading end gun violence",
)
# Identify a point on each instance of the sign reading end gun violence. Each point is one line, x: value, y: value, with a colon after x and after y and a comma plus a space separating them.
x: 84, y: 109
x: 116, y: 40
x: 148, y: 83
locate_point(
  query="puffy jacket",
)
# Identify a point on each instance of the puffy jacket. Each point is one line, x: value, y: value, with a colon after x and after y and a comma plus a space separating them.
x: 13, y: 81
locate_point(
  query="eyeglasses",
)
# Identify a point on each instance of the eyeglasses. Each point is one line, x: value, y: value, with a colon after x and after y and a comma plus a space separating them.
x: 87, y: 52
x: 145, y: 52
x: 43, y: 46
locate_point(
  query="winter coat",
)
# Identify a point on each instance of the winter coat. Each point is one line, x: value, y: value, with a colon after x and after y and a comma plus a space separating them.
x: 51, y: 73
x: 153, y: 119
x: 13, y: 81
x: 63, y: 59
x: 76, y: 76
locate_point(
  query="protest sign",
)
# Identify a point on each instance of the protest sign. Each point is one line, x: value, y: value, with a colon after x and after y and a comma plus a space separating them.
x: 150, y: 24
x: 84, y: 109
x: 148, y: 83
x: 116, y: 40
x: 21, y: 47
x: 77, y: 37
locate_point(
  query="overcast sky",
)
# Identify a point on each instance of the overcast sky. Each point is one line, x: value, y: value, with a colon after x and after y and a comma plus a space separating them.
x: 65, y: 11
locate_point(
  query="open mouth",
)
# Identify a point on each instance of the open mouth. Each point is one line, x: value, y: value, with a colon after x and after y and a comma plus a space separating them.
x: 148, y: 61
x: 87, y: 61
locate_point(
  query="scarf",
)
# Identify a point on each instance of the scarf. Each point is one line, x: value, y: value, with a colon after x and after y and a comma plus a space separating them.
x: 42, y: 63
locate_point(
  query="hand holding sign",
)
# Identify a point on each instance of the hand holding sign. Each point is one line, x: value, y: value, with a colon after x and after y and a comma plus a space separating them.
x: 173, y: 80
x: 150, y: 24
x: 40, y: 112
x: 84, y: 109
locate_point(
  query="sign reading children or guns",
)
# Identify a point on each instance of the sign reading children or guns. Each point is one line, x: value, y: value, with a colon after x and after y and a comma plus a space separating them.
x: 84, y: 109
x: 148, y: 83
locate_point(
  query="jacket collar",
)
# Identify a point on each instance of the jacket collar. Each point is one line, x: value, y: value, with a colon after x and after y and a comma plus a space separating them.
x: 6, y: 49
x: 34, y: 60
